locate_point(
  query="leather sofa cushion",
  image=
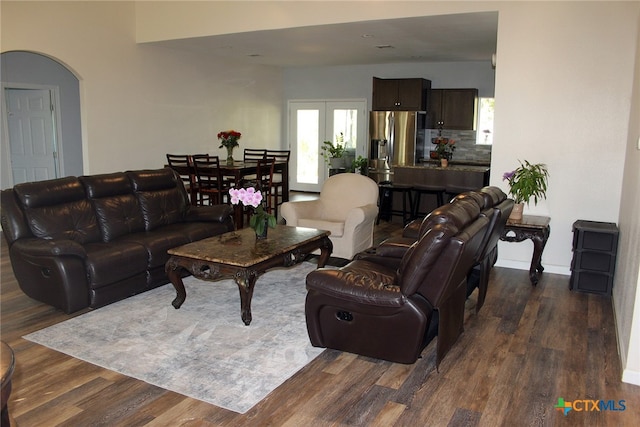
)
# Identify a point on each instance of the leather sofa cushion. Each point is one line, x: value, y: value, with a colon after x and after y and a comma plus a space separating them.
x: 336, y: 228
x: 116, y: 207
x: 161, y: 199
x: 456, y: 215
x: 107, y: 263
x: 50, y: 192
x: 492, y: 196
x: 156, y: 244
x: 57, y: 209
x: 423, y: 256
x: 197, y: 230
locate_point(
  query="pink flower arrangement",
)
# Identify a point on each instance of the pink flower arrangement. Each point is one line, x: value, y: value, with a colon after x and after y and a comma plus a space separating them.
x: 248, y: 196
x: 444, y: 147
x: 252, y: 197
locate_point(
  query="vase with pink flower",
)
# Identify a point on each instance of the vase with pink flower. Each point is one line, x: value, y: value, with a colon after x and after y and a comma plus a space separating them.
x: 445, y: 148
x: 260, y: 220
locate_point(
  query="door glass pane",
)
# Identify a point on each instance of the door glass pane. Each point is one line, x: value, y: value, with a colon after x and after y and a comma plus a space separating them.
x: 345, y: 128
x: 307, y: 143
x: 485, y: 121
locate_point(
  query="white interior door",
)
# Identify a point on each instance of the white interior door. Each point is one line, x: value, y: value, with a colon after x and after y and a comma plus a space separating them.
x: 32, y: 134
x: 311, y: 123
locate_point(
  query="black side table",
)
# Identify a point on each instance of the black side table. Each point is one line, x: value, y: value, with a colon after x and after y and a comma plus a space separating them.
x: 535, y: 228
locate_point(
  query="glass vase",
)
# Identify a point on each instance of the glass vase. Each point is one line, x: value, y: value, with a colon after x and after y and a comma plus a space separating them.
x: 229, y: 156
x: 265, y: 227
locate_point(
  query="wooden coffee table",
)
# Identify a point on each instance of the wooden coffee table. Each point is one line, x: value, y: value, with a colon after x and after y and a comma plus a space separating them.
x: 240, y: 256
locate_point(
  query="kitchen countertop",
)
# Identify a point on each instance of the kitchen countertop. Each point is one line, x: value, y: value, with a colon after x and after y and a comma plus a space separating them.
x: 451, y: 167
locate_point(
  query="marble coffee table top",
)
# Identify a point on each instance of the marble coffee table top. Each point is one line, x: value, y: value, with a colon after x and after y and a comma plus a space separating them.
x: 241, y: 248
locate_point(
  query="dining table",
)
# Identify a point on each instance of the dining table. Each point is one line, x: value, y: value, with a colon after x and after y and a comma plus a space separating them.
x: 234, y: 174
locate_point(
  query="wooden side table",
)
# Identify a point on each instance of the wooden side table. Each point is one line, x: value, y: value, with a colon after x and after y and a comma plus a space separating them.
x: 535, y: 228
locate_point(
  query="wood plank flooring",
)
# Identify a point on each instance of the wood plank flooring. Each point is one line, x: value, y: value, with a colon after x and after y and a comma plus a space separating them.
x: 526, y: 348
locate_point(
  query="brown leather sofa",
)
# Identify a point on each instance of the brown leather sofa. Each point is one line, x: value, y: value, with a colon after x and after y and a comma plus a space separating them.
x: 495, y: 205
x: 389, y: 307
x: 88, y: 241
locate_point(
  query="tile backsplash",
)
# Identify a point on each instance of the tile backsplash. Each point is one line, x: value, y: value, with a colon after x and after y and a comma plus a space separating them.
x: 466, y: 147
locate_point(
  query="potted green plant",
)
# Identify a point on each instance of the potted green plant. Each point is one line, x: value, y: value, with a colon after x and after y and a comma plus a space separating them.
x: 331, y: 151
x: 361, y: 164
x: 529, y: 181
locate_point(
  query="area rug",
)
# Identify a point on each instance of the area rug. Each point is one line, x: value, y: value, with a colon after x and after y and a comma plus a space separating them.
x: 203, y: 350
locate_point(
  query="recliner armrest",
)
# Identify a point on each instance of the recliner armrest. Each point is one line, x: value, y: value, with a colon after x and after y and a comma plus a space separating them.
x: 215, y: 213
x: 45, y: 247
x: 395, y: 247
x: 412, y: 230
x: 359, y: 282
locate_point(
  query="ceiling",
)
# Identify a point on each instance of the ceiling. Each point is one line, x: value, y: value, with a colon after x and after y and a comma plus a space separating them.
x: 443, y: 38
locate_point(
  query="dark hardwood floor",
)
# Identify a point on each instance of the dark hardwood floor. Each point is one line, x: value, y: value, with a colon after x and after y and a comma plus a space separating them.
x: 526, y: 348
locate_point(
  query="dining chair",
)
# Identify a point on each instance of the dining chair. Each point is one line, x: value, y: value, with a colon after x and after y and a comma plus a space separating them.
x: 279, y: 188
x: 183, y: 165
x: 254, y: 154
x: 211, y: 187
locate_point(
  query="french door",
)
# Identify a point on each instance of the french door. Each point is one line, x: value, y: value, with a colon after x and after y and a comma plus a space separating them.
x: 311, y: 123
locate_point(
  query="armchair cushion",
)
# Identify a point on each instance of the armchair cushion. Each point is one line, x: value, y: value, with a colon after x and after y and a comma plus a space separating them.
x: 336, y: 228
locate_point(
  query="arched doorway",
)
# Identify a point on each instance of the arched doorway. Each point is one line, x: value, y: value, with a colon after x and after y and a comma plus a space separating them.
x: 49, y: 126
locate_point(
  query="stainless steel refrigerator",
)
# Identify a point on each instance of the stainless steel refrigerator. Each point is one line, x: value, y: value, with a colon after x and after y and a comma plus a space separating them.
x: 396, y: 138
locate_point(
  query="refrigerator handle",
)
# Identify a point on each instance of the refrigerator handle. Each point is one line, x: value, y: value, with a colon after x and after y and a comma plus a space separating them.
x: 392, y: 139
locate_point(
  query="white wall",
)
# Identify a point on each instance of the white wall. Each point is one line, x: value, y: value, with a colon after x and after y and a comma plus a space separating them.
x: 140, y: 102
x: 557, y: 102
x: 18, y: 68
x: 626, y: 290
x: 355, y: 81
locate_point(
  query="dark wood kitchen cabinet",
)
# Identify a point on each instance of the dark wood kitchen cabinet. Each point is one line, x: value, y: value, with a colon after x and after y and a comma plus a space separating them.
x: 457, y: 109
x: 401, y: 94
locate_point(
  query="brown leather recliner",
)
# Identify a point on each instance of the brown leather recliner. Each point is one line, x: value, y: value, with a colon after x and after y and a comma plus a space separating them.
x: 494, y: 205
x: 385, y: 307
x: 498, y: 208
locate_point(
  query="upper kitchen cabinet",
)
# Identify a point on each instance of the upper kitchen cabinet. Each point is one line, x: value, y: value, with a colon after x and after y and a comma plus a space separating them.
x: 400, y: 94
x: 456, y: 109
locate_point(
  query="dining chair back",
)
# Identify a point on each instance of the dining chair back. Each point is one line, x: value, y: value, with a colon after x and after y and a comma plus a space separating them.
x: 254, y: 154
x: 263, y: 181
x: 211, y: 188
x: 183, y: 165
x: 280, y: 188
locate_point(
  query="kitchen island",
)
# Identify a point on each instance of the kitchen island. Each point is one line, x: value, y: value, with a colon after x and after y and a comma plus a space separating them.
x: 454, y: 179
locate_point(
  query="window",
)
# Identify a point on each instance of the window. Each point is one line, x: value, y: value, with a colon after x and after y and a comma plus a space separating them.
x: 484, y: 135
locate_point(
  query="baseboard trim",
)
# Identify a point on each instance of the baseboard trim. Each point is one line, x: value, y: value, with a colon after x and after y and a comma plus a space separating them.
x: 631, y: 377
x: 522, y: 265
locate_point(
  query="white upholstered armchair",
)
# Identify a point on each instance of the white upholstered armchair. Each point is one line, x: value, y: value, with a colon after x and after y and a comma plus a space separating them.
x: 347, y: 207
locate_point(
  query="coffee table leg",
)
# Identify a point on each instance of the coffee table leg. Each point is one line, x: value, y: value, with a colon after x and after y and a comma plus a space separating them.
x: 172, y: 270
x: 246, y: 283
x: 325, y: 252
